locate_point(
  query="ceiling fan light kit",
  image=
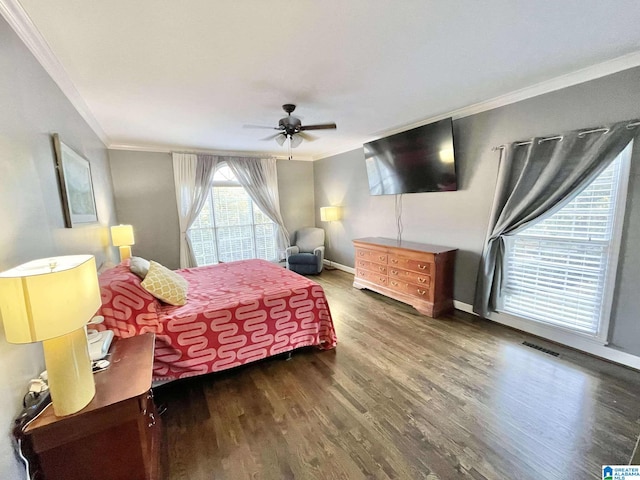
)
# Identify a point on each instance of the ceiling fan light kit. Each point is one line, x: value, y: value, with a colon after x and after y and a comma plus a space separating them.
x: 291, y: 128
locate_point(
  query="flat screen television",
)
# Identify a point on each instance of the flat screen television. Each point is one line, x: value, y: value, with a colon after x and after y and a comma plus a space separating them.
x: 419, y: 160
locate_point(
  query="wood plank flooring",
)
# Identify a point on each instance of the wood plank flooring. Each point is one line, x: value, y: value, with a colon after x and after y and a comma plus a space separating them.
x: 404, y: 396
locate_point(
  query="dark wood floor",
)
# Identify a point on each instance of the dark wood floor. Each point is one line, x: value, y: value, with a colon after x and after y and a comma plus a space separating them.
x: 407, y: 397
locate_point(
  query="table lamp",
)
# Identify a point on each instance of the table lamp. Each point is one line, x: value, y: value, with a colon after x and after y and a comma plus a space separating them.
x: 122, y: 237
x: 51, y: 300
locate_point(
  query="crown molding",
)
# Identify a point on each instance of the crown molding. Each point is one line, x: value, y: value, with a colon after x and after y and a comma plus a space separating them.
x: 593, y: 72
x: 19, y: 20
x: 222, y: 153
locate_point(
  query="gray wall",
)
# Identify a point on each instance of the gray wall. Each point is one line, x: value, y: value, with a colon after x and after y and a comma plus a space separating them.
x: 31, y: 211
x: 145, y: 198
x: 459, y: 219
x: 295, y: 187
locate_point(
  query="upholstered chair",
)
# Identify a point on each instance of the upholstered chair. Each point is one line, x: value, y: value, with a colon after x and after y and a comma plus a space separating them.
x: 306, y: 256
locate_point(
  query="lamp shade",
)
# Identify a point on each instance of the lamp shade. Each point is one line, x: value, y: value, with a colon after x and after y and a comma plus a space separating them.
x: 330, y: 214
x: 48, y: 298
x: 296, y: 140
x: 122, y: 235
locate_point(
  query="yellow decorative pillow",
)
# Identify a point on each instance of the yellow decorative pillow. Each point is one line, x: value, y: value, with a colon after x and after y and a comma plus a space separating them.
x: 165, y: 284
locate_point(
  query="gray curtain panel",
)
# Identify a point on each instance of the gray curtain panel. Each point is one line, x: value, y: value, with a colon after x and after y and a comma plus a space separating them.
x: 534, y: 181
x: 259, y: 177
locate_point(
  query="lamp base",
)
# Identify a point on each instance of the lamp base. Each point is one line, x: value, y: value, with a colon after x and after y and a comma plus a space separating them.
x: 125, y: 252
x: 69, y: 369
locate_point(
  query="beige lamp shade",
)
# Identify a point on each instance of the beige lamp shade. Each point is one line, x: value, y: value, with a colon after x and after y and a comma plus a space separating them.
x: 330, y: 214
x: 49, y: 297
x: 51, y: 300
x: 122, y: 235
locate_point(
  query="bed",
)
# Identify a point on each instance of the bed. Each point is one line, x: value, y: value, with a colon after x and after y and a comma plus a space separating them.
x: 235, y: 313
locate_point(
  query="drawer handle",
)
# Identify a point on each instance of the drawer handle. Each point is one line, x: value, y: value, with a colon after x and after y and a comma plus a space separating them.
x: 394, y: 272
x: 148, y: 400
x: 362, y: 264
x: 422, y: 267
x: 152, y: 419
x: 381, y: 269
x: 395, y: 284
x: 422, y: 280
x: 382, y: 279
x: 421, y: 292
x: 361, y: 254
x: 381, y: 257
x: 393, y: 260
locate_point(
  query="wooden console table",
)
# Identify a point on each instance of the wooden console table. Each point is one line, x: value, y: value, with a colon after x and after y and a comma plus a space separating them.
x: 116, y: 436
x: 414, y: 273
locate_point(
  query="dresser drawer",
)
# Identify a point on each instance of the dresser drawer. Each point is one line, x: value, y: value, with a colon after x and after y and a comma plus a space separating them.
x: 416, y: 278
x: 371, y: 256
x: 372, y: 267
x: 372, y: 277
x: 409, y: 288
x: 420, y: 266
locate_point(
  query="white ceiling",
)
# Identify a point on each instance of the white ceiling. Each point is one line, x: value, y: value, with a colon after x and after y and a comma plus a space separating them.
x: 163, y: 75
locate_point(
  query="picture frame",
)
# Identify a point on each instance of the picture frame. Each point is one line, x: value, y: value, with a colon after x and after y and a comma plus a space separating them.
x: 76, y: 185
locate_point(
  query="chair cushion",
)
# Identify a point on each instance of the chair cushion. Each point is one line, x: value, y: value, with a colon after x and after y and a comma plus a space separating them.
x: 304, y: 269
x: 303, y: 259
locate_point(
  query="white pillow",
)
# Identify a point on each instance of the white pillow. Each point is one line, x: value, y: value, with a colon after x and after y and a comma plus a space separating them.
x: 139, y: 266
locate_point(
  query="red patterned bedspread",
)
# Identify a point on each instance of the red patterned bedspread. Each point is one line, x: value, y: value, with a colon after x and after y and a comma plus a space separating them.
x: 236, y: 313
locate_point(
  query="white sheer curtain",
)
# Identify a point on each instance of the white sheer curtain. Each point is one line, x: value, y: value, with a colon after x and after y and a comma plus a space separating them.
x: 259, y: 177
x: 192, y: 175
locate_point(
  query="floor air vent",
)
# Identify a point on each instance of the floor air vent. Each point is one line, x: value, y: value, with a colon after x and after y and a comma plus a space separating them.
x: 542, y: 349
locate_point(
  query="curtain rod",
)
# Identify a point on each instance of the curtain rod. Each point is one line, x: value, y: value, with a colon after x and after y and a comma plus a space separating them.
x: 560, y: 137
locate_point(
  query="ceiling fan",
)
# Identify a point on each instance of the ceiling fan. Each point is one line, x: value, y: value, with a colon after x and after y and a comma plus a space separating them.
x: 291, y: 128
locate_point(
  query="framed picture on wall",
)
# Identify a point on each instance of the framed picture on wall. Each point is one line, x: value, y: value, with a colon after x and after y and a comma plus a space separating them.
x: 76, y: 185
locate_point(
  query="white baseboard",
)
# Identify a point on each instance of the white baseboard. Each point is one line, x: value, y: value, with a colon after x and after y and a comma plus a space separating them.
x: 339, y: 266
x: 572, y: 340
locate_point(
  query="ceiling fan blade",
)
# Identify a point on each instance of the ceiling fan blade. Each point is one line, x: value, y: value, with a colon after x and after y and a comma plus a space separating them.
x: 322, y: 126
x: 261, y: 126
x: 307, y: 137
x: 270, y: 137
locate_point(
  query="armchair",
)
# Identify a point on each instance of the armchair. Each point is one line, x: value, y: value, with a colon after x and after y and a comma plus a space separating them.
x: 306, y: 257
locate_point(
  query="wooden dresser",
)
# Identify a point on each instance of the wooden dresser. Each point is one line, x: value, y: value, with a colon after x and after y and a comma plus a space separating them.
x: 116, y: 436
x: 414, y: 273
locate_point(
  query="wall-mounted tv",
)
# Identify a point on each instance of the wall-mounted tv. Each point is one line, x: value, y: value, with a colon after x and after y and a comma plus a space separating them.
x: 419, y: 160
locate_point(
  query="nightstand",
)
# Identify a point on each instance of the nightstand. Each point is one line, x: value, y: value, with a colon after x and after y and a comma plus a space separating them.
x: 116, y: 436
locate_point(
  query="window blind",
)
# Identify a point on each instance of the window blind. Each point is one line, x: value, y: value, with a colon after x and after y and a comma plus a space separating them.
x: 230, y: 227
x: 556, y: 270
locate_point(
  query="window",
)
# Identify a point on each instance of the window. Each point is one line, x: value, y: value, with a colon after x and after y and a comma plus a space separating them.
x: 230, y: 226
x: 560, y: 271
